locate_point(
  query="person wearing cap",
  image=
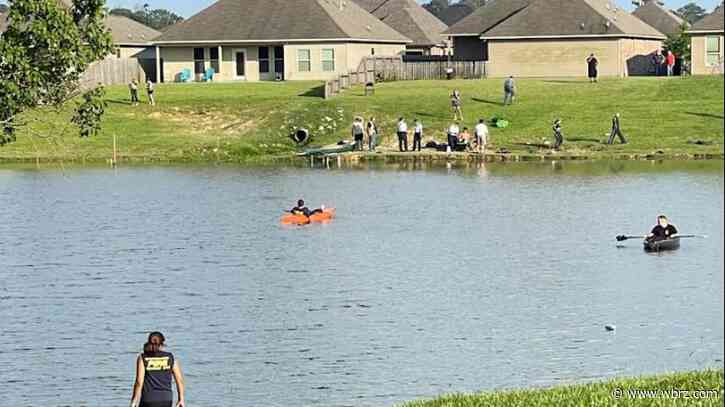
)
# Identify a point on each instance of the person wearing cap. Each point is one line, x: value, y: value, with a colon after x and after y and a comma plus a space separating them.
x: 558, y: 135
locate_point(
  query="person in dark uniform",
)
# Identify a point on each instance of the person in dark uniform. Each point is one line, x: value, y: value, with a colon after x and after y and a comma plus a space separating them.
x: 558, y: 135
x: 592, y: 68
x: 616, y: 131
x: 663, y: 231
x: 301, y: 209
x: 155, y: 369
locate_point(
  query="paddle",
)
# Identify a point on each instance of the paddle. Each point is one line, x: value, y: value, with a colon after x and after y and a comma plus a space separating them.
x: 622, y: 238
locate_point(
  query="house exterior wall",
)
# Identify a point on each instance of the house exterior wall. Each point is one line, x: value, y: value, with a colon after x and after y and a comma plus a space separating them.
x: 125, y: 51
x: 637, y: 56
x: 552, y: 58
x: 347, y: 57
x: 470, y: 48
x: 698, y: 54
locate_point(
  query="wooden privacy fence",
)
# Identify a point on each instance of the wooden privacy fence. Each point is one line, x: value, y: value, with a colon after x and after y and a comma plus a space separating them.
x: 113, y: 71
x: 377, y: 69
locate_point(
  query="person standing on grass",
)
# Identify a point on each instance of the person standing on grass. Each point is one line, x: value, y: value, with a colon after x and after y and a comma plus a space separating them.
x: 372, y: 130
x: 616, y: 131
x: 558, y: 135
x: 417, y: 135
x: 453, y: 132
x: 358, y: 133
x: 509, y: 90
x: 670, y: 63
x: 481, y: 133
x: 150, y: 91
x: 456, y: 103
x: 133, y: 87
x: 155, y: 369
x: 592, y: 68
x: 402, y: 135
x: 659, y: 61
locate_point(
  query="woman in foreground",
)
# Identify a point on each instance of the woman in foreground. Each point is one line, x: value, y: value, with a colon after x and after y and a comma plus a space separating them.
x: 154, y: 370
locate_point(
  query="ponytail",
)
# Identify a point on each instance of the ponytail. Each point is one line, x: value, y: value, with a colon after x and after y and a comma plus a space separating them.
x: 154, y: 344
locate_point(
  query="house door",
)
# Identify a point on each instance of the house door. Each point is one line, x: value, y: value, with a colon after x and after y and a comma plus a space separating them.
x: 241, y: 59
x: 279, y: 62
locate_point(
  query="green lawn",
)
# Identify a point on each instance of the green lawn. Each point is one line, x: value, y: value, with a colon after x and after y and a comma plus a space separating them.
x: 241, y: 121
x: 619, y: 392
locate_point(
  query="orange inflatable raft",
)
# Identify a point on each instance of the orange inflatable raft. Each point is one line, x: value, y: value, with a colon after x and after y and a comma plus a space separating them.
x: 326, y: 216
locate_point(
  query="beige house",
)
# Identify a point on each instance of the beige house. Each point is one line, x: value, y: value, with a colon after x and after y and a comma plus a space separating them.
x: 412, y: 20
x: 553, y: 38
x: 131, y: 38
x: 657, y: 16
x: 707, y: 44
x: 253, y: 40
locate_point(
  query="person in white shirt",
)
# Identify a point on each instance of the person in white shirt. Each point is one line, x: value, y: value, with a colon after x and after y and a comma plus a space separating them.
x: 481, y: 133
x: 402, y: 135
x: 417, y: 135
x: 453, y: 131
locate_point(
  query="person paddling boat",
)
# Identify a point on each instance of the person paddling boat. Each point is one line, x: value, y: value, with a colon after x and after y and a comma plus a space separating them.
x: 663, y: 230
x: 301, y: 209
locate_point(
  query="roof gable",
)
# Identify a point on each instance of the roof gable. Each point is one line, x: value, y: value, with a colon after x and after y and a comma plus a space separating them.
x: 408, y: 18
x: 712, y: 22
x: 662, y: 19
x: 251, y: 20
x: 129, y: 32
x: 562, y: 18
x: 486, y: 17
x: 455, y: 13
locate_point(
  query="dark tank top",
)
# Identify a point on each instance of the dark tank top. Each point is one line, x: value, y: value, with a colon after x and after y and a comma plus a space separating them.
x: 157, y: 380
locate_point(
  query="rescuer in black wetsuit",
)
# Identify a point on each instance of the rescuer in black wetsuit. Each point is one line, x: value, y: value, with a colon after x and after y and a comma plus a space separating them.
x: 301, y: 209
x: 663, y: 231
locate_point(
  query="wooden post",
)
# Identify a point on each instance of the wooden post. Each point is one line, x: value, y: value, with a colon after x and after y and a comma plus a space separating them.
x: 115, y: 156
x: 158, y: 64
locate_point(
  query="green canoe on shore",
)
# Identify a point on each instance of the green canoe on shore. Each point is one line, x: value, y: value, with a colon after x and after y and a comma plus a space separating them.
x: 329, y: 149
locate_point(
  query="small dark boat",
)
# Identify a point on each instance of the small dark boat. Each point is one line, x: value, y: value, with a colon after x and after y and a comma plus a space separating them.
x: 662, y: 245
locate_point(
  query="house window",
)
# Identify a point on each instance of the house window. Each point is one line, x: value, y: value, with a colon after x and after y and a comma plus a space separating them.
x: 214, y: 59
x: 199, y: 60
x: 713, y: 51
x: 263, y: 59
x: 303, y: 60
x: 279, y: 59
x: 328, y: 60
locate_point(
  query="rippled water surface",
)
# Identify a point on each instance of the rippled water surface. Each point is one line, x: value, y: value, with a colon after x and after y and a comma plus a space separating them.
x: 429, y: 281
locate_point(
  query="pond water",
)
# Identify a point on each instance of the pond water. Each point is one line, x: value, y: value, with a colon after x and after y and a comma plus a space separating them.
x: 430, y: 280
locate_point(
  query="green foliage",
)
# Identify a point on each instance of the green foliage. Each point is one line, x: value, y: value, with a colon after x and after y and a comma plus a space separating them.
x: 43, y: 53
x: 679, y: 43
x: 90, y: 111
x: 618, y: 392
x: 691, y: 12
x: 157, y: 18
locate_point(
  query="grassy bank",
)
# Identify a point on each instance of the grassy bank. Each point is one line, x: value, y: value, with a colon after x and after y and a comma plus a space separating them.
x: 619, y: 392
x: 251, y: 121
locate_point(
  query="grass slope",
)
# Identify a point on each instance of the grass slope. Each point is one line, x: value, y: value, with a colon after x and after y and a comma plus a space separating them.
x: 242, y: 121
x: 600, y: 394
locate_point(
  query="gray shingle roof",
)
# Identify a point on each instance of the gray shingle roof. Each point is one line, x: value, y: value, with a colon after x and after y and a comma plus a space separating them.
x: 487, y: 17
x: 129, y: 32
x: 664, y: 20
x: 281, y: 20
x: 408, y: 18
x: 554, y: 18
x: 712, y: 22
x: 455, y: 13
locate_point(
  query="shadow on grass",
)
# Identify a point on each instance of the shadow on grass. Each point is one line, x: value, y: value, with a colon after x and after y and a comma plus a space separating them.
x: 119, y: 102
x: 708, y: 115
x: 584, y: 139
x: 487, y: 101
x: 534, y: 145
x: 316, y: 92
x: 421, y: 114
